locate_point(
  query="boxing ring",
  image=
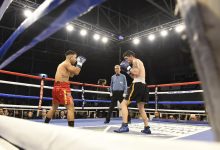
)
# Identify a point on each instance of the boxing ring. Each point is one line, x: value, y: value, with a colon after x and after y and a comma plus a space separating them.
x: 162, y: 129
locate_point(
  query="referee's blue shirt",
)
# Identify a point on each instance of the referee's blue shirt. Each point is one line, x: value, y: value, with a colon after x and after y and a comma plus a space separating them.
x: 118, y: 83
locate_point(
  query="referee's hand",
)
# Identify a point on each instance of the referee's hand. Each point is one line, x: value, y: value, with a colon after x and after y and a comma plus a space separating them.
x: 124, y: 95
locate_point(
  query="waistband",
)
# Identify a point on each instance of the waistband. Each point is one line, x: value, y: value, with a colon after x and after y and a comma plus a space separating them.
x: 117, y: 91
x: 139, y: 83
x: 136, y: 80
x: 63, y: 84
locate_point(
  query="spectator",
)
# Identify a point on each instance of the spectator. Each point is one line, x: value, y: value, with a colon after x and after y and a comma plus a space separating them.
x: 6, y: 113
x: 156, y: 114
x: 30, y: 115
x: 193, y: 117
x: 17, y: 114
x: 43, y: 113
x: 183, y: 117
x: 204, y: 118
x: 164, y: 116
x: 62, y: 115
x: 98, y: 114
x: 65, y: 111
x: 25, y: 115
x: 1, y: 111
x: 92, y: 115
x: 84, y: 115
x: 57, y: 114
x: 102, y: 82
x: 171, y: 117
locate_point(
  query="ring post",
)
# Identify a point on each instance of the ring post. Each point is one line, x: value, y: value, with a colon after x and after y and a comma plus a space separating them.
x: 41, y: 95
x: 156, y: 98
x: 83, y: 98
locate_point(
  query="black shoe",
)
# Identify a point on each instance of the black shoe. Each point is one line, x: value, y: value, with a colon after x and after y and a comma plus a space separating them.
x: 146, y: 130
x: 106, y: 121
x: 123, y: 128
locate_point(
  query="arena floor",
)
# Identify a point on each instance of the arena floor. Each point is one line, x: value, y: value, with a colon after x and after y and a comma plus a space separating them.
x: 165, y: 130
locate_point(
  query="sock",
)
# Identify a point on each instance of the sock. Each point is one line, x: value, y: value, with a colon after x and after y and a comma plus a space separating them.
x: 47, y: 120
x: 147, y: 127
x: 129, y: 118
x: 71, y: 123
x: 124, y: 124
x: 107, y: 119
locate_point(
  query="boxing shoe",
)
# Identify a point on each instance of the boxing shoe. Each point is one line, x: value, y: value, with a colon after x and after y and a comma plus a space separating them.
x: 123, y: 128
x: 146, y: 130
x: 106, y: 121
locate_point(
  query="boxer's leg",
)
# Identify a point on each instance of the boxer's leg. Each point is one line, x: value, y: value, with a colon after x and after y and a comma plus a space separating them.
x: 70, y: 113
x: 51, y: 112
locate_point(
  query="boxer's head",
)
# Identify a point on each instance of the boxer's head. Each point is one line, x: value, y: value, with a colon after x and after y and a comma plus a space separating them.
x: 129, y: 56
x: 71, y: 56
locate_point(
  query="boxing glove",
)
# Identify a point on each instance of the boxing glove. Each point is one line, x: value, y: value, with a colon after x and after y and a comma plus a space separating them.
x: 125, y: 66
x: 80, y: 61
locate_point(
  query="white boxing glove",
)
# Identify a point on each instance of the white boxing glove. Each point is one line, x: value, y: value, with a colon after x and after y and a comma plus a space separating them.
x: 80, y: 61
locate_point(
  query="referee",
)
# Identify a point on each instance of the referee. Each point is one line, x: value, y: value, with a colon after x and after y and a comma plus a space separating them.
x: 118, y: 90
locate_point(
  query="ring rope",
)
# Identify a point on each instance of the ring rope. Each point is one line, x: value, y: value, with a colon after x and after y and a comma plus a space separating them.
x: 94, y: 85
x: 103, y: 101
x: 98, y: 92
x: 101, y: 108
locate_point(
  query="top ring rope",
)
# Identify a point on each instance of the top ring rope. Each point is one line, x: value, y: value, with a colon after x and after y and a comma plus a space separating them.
x: 49, y: 87
x: 97, y: 92
x: 94, y: 85
x: 176, y: 84
x: 49, y: 79
x: 32, y: 76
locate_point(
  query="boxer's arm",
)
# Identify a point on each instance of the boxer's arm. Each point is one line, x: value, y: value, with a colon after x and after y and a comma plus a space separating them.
x: 131, y: 75
x: 135, y: 70
x: 72, y: 69
x: 71, y: 75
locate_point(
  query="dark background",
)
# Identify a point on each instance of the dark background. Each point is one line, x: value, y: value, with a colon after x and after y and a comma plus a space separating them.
x: 167, y: 60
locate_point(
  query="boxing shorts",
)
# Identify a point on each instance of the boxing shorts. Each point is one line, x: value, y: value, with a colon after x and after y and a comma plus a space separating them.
x: 61, y: 93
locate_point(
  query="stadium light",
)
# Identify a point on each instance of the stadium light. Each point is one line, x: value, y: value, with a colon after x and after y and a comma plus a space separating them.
x: 180, y: 28
x: 164, y: 33
x: 83, y: 32
x: 151, y: 37
x: 27, y: 12
x: 69, y: 27
x: 96, y: 37
x: 104, y: 39
x: 136, y: 41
